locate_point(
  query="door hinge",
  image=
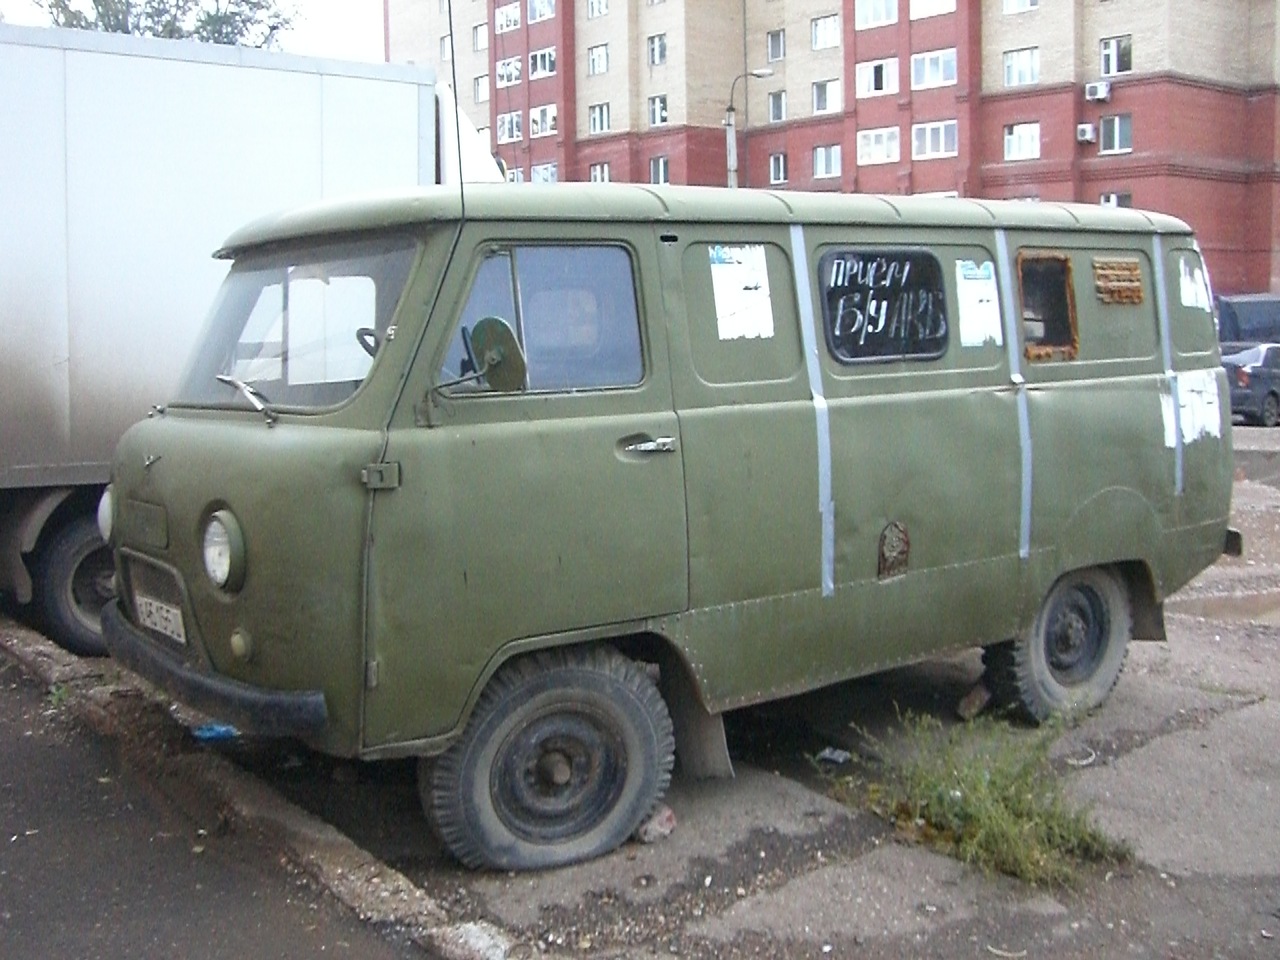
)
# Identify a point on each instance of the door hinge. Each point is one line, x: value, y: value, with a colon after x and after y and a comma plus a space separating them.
x: 371, y: 674
x: 381, y: 476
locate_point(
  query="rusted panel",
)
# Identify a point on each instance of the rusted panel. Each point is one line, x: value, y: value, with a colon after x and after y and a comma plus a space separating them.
x: 1118, y: 279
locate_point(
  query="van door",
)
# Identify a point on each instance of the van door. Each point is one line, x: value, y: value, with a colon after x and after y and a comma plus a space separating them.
x: 554, y: 509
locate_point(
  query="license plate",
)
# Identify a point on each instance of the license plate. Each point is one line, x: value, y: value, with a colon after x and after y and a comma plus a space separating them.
x: 160, y: 617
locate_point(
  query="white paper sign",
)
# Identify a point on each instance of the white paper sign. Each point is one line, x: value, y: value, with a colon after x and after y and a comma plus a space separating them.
x: 740, y: 284
x: 979, y: 304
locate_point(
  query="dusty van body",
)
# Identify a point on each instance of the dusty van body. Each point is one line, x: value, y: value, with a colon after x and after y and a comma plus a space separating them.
x: 538, y: 493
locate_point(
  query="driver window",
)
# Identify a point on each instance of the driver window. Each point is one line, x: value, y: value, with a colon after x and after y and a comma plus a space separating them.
x: 573, y: 309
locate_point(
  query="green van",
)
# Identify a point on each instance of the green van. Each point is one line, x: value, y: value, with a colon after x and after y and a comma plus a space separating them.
x: 535, y: 489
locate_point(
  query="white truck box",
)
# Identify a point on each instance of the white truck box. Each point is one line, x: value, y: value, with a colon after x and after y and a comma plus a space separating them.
x: 124, y: 163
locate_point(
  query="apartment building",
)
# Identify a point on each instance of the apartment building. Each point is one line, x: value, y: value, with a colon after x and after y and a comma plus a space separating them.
x: 1166, y: 104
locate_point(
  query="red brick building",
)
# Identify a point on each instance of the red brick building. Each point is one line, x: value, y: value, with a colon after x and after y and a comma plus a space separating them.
x: 1165, y: 104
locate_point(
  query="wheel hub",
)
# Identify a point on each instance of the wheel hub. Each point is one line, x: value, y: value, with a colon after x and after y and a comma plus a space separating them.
x: 1076, y: 637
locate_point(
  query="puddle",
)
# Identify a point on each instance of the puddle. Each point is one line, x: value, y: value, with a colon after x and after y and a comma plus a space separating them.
x: 1255, y: 607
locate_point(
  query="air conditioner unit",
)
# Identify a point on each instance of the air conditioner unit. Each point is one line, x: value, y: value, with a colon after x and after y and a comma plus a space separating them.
x: 1086, y: 133
x: 1098, y: 90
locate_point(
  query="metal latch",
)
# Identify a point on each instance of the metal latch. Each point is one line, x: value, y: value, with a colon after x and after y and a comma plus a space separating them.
x: 381, y: 476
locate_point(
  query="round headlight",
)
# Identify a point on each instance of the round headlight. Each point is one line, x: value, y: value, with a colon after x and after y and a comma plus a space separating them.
x: 223, y: 551
x: 104, y: 514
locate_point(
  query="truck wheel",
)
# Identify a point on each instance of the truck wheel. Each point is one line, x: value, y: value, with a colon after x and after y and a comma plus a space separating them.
x: 1070, y: 659
x: 1270, y: 410
x: 74, y: 582
x: 565, y: 755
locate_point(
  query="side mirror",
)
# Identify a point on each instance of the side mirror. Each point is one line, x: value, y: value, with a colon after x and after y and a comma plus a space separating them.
x: 496, y: 356
x: 499, y: 360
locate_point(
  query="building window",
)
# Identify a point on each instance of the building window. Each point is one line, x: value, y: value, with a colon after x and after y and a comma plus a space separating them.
x: 597, y: 8
x: 1021, y: 67
x: 659, y: 170
x: 446, y: 48
x: 515, y: 175
x: 657, y: 49
x: 509, y: 128
x: 544, y: 173
x: 507, y: 72
x: 542, y: 121
x: 480, y: 37
x: 540, y: 10
x: 1115, y: 134
x: 1117, y: 55
x: 826, y: 96
x: 882, y: 145
x: 1124, y: 199
x: 775, y: 45
x: 874, y: 13
x: 480, y: 88
x: 875, y: 78
x: 934, y: 68
x: 777, y: 106
x: 597, y: 59
x: 825, y: 31
x: 931, y: 8
x: 777, y: 168
x: 506, y: 18
x: 1022, y: 141
x: 542, y: 63
x: 883, y: 304
x: 598, y: 118
x: 658, y: 111
x: 826, y: 161
x: 932, y: 140
x: 599, y: 173
x: 1020, y: 6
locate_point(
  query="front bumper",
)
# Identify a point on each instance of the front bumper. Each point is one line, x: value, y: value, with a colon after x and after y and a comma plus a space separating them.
x: 251, y: 709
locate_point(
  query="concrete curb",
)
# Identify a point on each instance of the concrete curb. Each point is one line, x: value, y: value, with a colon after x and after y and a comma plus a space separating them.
x: 94, y: 689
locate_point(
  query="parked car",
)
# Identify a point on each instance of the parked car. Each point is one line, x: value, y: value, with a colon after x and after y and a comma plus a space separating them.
x: 1253, y: 371
x: 1254, y: 317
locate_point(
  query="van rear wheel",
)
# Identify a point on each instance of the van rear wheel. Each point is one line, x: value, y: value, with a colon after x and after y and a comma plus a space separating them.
x: 564, y: 756
x: 1070, y: 659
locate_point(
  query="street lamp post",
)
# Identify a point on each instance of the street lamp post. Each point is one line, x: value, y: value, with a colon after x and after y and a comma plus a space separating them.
x: 730, y: 123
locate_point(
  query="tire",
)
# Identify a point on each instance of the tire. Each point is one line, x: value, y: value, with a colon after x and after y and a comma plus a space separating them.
x: 1070, y: 659
x: 73, y: 582
x: 564, y: 756
x: 1270, y: 415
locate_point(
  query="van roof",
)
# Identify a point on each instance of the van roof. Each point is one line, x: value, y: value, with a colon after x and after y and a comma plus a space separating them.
x: 680, y: 204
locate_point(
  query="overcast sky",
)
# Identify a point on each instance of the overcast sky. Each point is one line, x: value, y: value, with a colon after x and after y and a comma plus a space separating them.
x: 343, y: 29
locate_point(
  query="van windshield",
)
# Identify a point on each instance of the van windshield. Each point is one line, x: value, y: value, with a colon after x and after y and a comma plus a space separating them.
x: 298, y: 327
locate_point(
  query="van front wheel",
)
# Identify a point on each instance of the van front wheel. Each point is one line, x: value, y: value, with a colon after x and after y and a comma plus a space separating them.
x: 1070, y: 659
x: 565, y: 755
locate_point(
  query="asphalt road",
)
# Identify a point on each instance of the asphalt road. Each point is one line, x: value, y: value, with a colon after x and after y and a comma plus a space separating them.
x: 96, y: 863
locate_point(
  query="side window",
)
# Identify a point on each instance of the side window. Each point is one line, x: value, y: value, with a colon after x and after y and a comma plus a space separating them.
x: 883, y: 305
x: 1048, y: 307
x: 573, y: 309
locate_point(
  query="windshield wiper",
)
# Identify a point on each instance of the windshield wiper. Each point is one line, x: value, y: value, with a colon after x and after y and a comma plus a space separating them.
x: 250, y: 393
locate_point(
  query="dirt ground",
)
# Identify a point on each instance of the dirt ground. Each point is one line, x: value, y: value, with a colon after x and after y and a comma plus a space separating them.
x: 1182, y: 762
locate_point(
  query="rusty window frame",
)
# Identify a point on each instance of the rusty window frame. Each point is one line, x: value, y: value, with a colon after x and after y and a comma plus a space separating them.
x: 1064, y: 344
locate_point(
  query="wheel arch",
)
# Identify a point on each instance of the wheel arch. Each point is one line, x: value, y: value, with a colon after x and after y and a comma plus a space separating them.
x: 25, y: 517
x: 701, y: 748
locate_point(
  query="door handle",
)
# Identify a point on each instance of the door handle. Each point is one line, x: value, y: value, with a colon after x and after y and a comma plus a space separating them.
x: 658, y: 445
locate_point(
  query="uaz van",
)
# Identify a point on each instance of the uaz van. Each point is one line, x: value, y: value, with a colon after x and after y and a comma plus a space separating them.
x: 537, y: 490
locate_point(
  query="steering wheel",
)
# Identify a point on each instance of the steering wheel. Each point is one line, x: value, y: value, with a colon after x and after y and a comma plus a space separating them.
x: 369, y: 340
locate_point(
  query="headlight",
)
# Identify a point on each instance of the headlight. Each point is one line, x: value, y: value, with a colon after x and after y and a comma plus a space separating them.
x: 104, y: 514
x: 223, y: 551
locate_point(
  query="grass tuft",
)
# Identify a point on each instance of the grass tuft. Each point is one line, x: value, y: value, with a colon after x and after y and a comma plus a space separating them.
x: 986, y: 794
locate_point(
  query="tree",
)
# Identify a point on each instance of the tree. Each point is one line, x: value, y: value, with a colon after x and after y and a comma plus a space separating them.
x: 249, y: 23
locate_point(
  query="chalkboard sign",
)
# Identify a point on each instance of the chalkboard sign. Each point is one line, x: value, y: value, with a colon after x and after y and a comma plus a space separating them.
x: 883, y: 304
